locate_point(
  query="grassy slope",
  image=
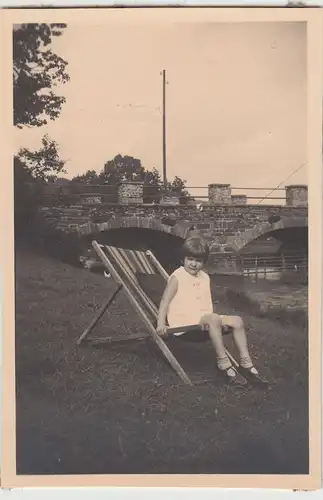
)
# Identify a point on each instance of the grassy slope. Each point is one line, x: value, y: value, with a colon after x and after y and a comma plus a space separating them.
x: 122, y: 410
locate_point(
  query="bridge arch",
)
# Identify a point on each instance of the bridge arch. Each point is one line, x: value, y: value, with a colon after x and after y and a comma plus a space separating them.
x: 164, y: 239
x: 180, y: 230
x: 241, y: 239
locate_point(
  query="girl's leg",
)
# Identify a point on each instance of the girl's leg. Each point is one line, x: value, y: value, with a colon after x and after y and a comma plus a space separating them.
x: 240, y: 338
x: 214, y: 323
x: 246, y: 366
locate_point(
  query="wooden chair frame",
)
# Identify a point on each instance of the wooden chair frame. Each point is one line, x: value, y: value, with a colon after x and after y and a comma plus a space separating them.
x: 140, y: 301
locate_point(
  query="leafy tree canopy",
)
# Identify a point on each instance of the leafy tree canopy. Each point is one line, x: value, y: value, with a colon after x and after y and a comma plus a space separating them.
x: 36, y: 70
x: 44, y: 164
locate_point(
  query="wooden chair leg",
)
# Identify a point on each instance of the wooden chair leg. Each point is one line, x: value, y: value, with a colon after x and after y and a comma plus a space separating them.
x: 99, y: 315
x: 137, y: 307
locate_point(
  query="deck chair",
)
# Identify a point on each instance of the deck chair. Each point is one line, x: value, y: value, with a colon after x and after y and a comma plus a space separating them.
x: 125, y: 267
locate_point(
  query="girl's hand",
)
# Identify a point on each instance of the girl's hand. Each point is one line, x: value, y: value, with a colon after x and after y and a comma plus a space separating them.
x: 162, y: 330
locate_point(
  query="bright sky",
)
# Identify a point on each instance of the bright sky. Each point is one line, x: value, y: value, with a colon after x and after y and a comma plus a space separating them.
x: 236, y: 100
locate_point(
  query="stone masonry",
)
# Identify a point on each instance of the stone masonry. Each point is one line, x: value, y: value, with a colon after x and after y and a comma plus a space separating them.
x: 227, y: 227
x: 296, y: 195
x: 130, y: 192
x: 239, y: 199
x: 219, y: 194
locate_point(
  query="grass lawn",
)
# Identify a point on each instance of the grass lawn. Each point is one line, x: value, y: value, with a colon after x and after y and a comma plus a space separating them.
x: 121, y: 409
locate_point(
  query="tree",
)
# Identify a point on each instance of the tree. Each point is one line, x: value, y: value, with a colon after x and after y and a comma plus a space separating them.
x: 36, y: 70
x: 178, y: 186
x: 32, y: 169
x: 90, y: 177
x: 128, y: 168
x: 123, y: 168
x: 44, y: 164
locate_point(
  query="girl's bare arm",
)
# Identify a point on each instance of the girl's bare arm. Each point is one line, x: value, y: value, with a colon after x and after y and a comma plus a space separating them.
x: 168, y: 295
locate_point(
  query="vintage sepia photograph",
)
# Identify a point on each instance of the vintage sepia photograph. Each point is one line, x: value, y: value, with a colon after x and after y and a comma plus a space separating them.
x: 161, y: 245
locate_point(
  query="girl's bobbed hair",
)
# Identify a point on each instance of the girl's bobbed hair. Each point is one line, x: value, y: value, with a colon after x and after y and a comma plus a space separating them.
x: 195, y: 246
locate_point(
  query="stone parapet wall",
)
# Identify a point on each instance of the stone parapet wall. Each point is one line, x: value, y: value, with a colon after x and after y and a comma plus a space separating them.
x: 239, y: 199
x: 170, y: 200
x: 132, y: 193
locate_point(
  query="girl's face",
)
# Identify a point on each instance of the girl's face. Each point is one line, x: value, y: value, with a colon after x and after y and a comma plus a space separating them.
x: 193, y: 265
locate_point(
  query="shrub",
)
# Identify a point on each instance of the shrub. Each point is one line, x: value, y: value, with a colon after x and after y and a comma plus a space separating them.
x: 49, y: 240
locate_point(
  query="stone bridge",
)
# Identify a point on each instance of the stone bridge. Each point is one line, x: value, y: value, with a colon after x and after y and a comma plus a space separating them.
x: 228, y: 226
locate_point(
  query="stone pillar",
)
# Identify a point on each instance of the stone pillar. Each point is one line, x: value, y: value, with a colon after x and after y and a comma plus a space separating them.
x: 130, y: 192
x: 219, y: 194
x: 296, y: 195
x: 239, y: 199
x: 170, y: 199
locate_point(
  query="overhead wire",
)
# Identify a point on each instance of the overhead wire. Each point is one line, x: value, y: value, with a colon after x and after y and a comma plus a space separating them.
x: 282, y: 182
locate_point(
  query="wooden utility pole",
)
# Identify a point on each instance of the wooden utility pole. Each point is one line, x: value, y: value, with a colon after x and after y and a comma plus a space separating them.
x: 164, y: 129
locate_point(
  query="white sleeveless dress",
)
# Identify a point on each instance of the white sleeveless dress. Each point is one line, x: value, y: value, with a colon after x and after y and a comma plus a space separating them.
x: 192, y: 300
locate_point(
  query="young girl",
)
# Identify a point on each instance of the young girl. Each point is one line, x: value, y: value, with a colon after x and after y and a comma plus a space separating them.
x: 187, y: 301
